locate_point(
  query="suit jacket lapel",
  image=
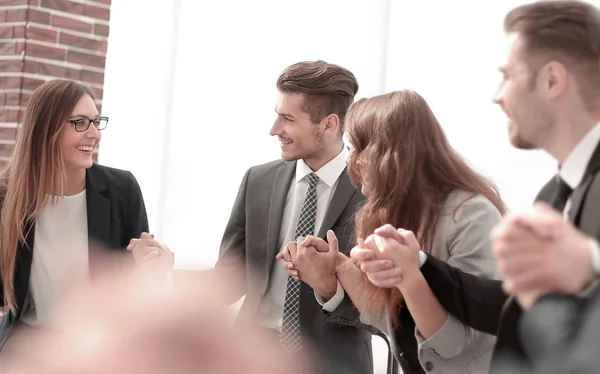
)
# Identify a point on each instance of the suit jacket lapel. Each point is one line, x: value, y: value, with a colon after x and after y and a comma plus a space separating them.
x: 339, y: 201
x: 98, y: 207
x: 23, y: 267
x: 281, y: 187
x: 578, y: 195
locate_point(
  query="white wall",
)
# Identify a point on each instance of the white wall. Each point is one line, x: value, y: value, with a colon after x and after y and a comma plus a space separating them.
x: 138, y: 89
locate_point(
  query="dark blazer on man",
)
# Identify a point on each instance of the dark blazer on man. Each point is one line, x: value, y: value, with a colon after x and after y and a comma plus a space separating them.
x: 115, y: 214
x: 250, y: 244
x: 482, y: 304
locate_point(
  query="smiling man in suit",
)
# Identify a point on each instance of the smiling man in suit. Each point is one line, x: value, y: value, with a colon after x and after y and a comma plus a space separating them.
x: 549, y: 256
x: 306, y: 193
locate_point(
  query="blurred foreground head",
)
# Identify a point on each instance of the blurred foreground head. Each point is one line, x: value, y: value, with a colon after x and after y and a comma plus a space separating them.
x: 132, y: 324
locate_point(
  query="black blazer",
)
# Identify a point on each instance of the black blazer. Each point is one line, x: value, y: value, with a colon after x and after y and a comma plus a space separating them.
x: 115, y: 214
x: 481, y: 303
x: 248, y: 250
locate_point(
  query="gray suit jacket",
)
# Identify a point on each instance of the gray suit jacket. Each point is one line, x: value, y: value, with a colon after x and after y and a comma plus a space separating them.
x: 462, y: 240
x: 250, y: 244
x: 561, y: 333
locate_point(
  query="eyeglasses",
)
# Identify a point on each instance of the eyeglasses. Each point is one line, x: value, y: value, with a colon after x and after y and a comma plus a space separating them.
x: 83, y: 124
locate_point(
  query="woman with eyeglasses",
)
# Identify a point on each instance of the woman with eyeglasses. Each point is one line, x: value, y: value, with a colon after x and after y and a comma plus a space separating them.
x: 58, y: 205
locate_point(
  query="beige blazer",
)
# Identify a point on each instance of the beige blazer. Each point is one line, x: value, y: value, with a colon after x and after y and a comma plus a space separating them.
x: 462, y: 239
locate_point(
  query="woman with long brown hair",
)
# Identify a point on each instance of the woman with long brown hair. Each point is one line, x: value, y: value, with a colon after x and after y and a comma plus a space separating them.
x: 414, y: 179
x: 56, y: 203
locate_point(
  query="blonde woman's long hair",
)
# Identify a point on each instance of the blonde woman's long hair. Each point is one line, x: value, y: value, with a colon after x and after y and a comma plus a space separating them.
x: 35, y: 171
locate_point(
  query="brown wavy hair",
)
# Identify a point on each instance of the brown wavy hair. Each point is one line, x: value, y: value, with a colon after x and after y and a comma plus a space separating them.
x: 35, y: 171
x: 400, y: 151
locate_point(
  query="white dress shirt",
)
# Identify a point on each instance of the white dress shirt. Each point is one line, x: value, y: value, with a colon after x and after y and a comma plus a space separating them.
x: 572, y: 172
x: 270, y: 312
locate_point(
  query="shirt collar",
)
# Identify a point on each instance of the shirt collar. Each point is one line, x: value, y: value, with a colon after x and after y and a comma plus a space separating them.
x: 328, y: 173
x: 573, y: 169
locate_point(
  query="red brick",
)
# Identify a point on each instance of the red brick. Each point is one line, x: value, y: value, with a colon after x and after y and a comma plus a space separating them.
x: 100, y: 29
x: 43, y: 34
x: 24, y: 98
x: 19, y: 32
x: 12, y: 99
x: 16, y: 15
x: 8, y: 48
x: 31, y: 83
x: 96, y: 12
x: 80, y: 41
x: 92, y: 77
x: 30, y: 67
x: 86, y: 59
x: 51, y: 70
x: 15, y: 115
x: 3, y: 99
x: 97, y: 93
x: 42, y: 51
x: 107, y: 2
x: 10, y: 82
x: 39, y: 16
x: 6, y: 32
x: 63, y: 5
x: 6, y: 149
x: 8, y: 132
x: 71, y: 24
x: 44, y: 68
x: 2, y: 15
x: 13, y: 2
x: 10, y: 66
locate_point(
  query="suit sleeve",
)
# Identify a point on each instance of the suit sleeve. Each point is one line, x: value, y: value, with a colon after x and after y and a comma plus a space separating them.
x: 136, y: 221
x: 469, y: 247
x: 231, y: 265
x: 346, y: 313
x: 476, y: 302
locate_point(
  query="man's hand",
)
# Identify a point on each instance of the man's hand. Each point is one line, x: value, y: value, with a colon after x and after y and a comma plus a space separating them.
x: 149, y: 253
x: 308, y: 259
x: 538, y: 252
x: 389, y: 256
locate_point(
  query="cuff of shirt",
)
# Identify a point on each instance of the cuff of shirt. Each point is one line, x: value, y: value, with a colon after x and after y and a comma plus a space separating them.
x: 445, y: 342
x: 334, y: 302
x: 595, y: 256
x: 422, y: 258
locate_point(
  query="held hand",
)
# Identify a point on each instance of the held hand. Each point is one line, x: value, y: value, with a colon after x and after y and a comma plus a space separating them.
x: 380, y: 272
x: 402, y: 248
x: 539, y: 264
x: 286, y: 259
x: 315, y: 267
x: 150, y: 254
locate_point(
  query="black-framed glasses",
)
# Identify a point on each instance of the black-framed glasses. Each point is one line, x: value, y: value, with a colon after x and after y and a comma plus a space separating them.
x: 83, y: 124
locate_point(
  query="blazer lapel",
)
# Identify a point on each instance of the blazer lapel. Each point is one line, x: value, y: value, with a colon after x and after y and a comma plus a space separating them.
x: 580, y: 191
x: 98, y: 207
x: 281, y: 187
x: 341, y: 196
x: 23, y: 267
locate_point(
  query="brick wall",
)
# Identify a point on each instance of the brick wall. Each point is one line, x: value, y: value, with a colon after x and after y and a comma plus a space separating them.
x: 42, y: 40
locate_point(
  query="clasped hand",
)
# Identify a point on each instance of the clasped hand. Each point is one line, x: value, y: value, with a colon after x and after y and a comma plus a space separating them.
x: 149, y: 253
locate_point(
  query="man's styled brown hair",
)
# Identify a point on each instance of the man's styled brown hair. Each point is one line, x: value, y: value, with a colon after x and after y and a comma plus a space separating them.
x: 567, y: 31
x: 401, y: 152
x: 327, y: 88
